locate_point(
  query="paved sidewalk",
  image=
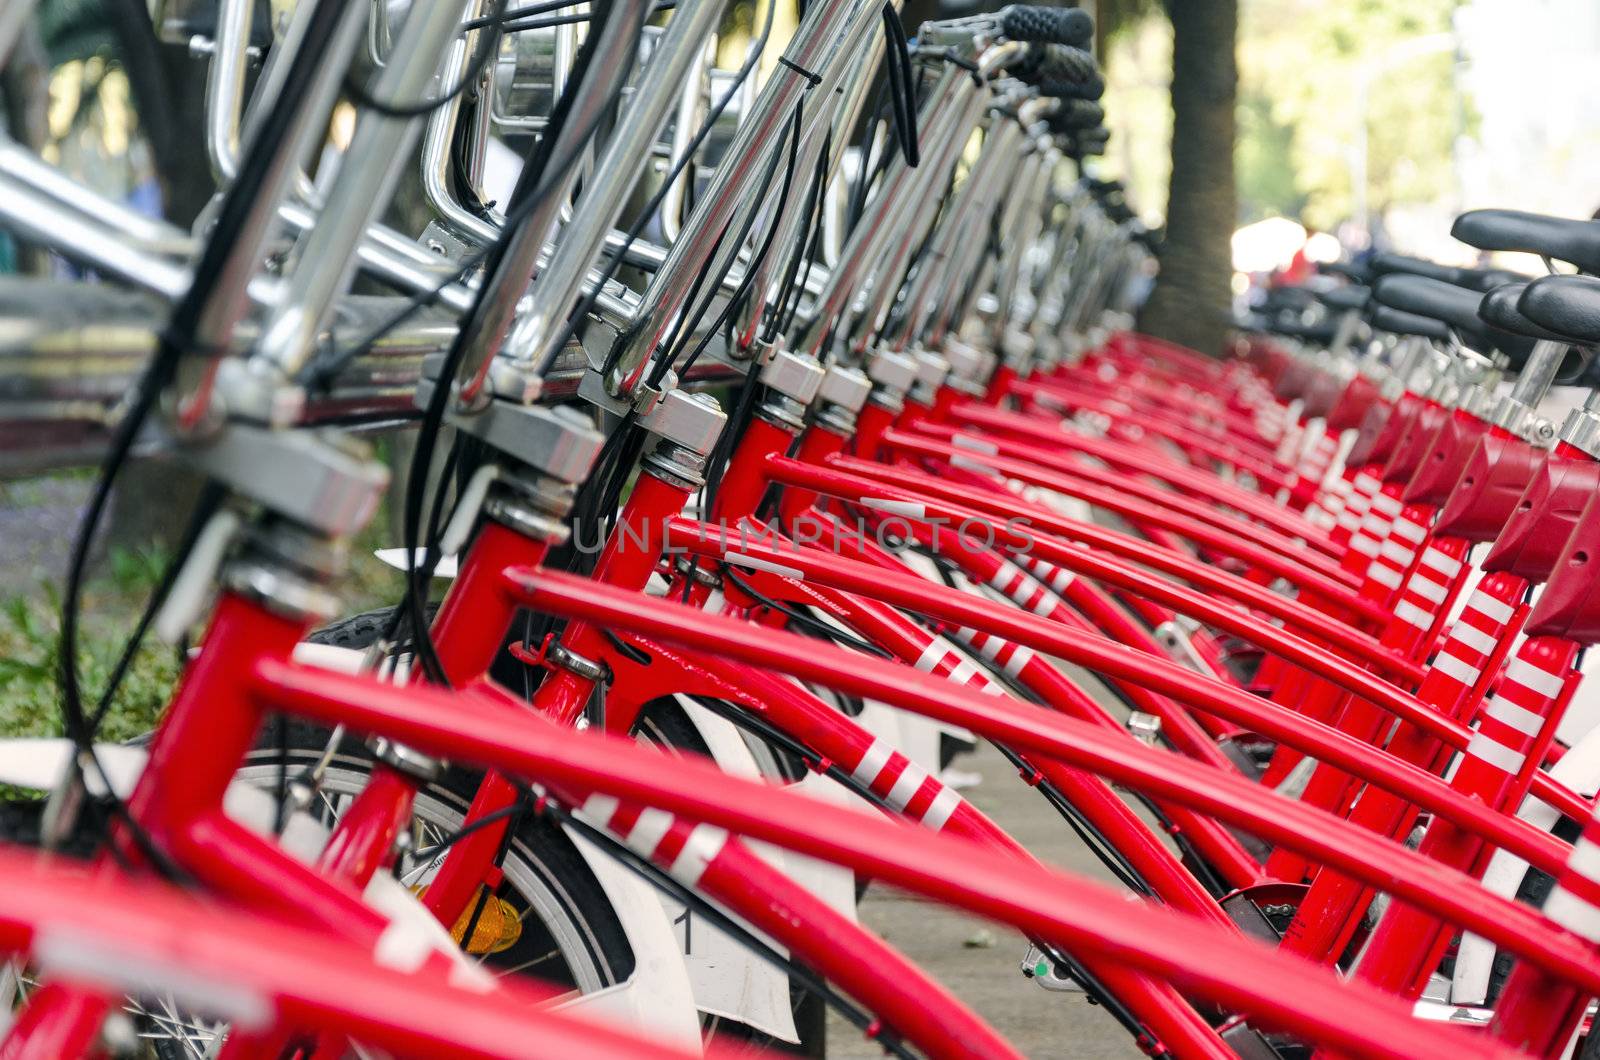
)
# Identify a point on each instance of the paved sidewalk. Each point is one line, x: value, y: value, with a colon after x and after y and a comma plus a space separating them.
x: 979, y: 961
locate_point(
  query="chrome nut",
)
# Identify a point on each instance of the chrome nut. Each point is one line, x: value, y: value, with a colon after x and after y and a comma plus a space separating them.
x: 794, y: 375
x: 845, y: 387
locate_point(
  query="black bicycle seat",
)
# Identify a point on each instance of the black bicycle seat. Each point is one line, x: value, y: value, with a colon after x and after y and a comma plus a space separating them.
x: 1476, y: 279
x: 1561, y: 238
x: 1398, y: 322
x: 1568, y: 306
x: 1454, y: 306
x: 1344, y: 297
x: 1348, y: 269
x: 1499, y: 309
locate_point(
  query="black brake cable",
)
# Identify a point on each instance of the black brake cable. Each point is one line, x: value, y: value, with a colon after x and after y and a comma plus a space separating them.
x: 177, y: 340
x: 902, y: 87
x: 757, y: 260
x: 482, y: 55
x: 535, y: 181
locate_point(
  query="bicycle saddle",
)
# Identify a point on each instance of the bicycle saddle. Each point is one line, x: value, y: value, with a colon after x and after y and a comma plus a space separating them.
x: 1564, y: 239
x: 1568, y: 306
x: 1453, y: 305
x: 1499, y: 310
x: 1349, y: 296
x: 1399, y: 322
x: 1355, y: 272
x: 1477, y: 279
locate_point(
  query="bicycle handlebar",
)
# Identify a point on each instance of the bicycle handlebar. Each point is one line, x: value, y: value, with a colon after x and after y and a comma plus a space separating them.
x: 1047, y: 25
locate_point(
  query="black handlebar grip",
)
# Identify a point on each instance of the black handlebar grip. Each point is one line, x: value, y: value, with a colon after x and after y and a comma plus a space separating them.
x: 1047, y: 25
x: 1056, y: 70
x: 1075, y: 114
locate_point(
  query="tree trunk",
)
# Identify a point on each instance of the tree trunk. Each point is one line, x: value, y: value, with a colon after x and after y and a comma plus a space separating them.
x: 1190, y: 304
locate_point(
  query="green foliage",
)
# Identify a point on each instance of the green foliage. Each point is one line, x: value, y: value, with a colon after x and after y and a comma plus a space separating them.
x: 1307, y: 67
x: 30, y: 655
x: 1302, y: 65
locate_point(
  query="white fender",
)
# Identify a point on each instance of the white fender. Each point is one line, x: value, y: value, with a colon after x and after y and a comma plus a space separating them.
x: 1579, y: 769
x: 655, y: 999
x: 728, y: 980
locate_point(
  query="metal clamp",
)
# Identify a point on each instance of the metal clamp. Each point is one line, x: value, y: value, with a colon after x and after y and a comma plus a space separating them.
x: 693, y: 421
x: 559, y: 442
x: 796, y: 376
x: 892, y: 374
x: 411, y: 762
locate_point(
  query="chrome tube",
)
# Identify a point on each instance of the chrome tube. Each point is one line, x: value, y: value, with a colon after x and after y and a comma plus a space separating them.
x: 889, y: 255
x: 612, y: 56
x: 225, y: 77
x: 323, y: 261
x: 942, y: 108
x: 37, y: 218
x: 850, y: 96
x: 229, y: 297
x: 148, y: 234
x: 962, y: 234
x: 822, y: 36
x: 891, y: 273
x: 619, y: 169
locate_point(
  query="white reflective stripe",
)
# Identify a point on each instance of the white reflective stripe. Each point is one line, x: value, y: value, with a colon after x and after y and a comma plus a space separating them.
x: 1003, y: 577
x: 872, y: 763
x: 402, y: 947
x: 1368, y: 484
x: 1044, y: 604
x: 1530, y: 676
x: 977, y: 445
x: 1364, y: 544
x: 906, y: 785
x: 1442, y: 563
x: 1474, y: 638
x: 703, y: 845
x: 1349, y: 519
x: 1430, y: 591
x: 1519, y: 718
x: 944, y: 804
x: 598, y: 809
x: 1396, y: 553
x: 936, y: 650
x: 1494, y: 610
x: 1411, y: 614
x: 1406, y: 530
x: 883, y: 504
x: 1573, y: 913
x: 648, y: 831
x: 1585, y: 859
x: 1387, y: 505
x: 1019, y: 658
x: 1386, y: 576
x: 739, y: 559
x: 1496, y: 754
x: 965, y: 670
x: 1451, y: 666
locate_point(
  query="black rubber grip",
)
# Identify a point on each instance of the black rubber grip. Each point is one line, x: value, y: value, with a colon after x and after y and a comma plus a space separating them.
x: 1047, y: 25
x: 1074, y: 114
x: 1091, y: 89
